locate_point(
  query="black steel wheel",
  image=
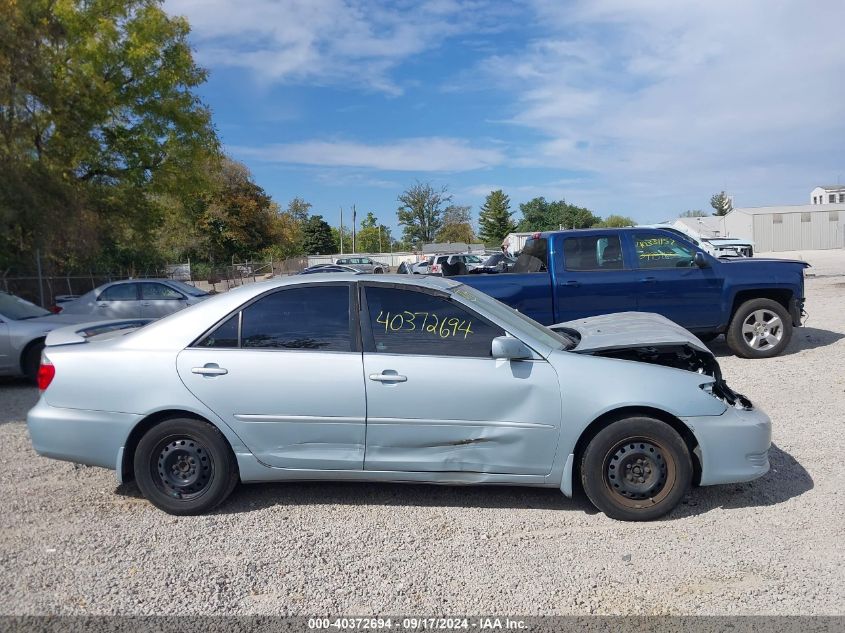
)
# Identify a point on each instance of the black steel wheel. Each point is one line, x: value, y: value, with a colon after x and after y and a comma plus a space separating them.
x: 185, y: 466
x: 636, y: 469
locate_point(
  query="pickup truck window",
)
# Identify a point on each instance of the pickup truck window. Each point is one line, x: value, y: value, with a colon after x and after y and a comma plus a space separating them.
x: 534, y: 258
x: 659, y: 251
x: 597, y: 252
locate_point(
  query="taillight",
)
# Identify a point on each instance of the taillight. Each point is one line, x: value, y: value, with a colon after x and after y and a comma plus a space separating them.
x: 55, y: 309
x: 46, y: 373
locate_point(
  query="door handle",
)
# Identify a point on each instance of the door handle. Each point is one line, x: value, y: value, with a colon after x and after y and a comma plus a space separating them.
x: 571, y: 282
x: 648, y: 280
x: 209, y: 369
x: 388, y: 378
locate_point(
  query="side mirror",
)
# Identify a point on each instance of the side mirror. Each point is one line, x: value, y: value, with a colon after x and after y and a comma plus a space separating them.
x: 509, y: 348
x: 701, y: 260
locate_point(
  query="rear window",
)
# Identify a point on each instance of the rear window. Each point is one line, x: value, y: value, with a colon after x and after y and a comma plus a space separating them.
x: 534, y: 258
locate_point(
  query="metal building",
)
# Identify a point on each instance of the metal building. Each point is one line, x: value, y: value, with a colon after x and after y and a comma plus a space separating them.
x: 789, y: 227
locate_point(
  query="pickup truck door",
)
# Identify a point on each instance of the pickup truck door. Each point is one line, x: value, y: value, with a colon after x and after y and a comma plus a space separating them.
x: 592, y: 278
x: 670, y: 283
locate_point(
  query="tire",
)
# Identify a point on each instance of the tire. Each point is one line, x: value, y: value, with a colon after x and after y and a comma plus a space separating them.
x: 378, y: 271
x: 760, y: 328
x: 656, y: 467
x: 31, y: 361
x: 185, y: 466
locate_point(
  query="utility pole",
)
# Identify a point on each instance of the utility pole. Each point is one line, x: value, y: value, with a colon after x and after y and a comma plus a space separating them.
x: 380, y: 249
x: 341, y: 230
x: 354, y: 223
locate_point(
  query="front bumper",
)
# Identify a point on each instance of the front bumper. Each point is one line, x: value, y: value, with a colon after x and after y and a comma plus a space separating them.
x: 77, y: 435
x: 734, y: 446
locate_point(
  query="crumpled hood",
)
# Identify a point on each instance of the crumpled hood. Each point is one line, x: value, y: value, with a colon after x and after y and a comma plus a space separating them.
x: 629, y: 329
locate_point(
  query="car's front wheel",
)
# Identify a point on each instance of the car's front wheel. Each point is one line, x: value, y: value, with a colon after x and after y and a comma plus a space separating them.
x: 185, y: 466
x: 636, y: 469
x: 760, y: 328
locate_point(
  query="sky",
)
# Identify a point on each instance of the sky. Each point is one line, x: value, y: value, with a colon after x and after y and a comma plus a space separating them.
x: 643, y: 108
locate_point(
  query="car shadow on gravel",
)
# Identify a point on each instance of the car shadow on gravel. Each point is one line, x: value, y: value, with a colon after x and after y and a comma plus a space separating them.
x: 786, y: 479
x: 803, y: 338
x: 17, y: 396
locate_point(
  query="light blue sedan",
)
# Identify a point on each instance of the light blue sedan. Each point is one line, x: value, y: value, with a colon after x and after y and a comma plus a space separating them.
x: 395, y: 378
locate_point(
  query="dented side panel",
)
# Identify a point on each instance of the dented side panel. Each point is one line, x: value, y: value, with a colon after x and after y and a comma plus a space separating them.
x: 462, y: 415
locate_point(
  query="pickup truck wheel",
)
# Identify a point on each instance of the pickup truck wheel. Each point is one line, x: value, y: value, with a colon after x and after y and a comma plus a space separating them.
x: 636, y: 469
x: 185, y: 466
x: 760, y: 328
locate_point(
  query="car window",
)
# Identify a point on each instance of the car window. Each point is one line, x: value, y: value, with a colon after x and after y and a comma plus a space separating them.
x: 662, y: 251
x: 596, y: 252
x: 534, y: 258
x: 225, y: 335
x: 159, y: 292
x: 311, y: 318
x: 188, y: 288
x: 411, y: 322
x: 473, y: 259
x: 119, y: 292
x: 14, y: 308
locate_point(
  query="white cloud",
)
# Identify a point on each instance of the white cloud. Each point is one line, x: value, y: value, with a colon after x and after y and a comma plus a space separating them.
x: 412, y: 154
x: 678, y: 96
x: 325, y: 41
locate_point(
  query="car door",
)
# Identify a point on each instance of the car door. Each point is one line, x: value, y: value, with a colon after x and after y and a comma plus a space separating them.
x: 436, y: 399
x: 285, y: 373
x: 671, y: 284
x: 118, y: 301
x: 159, y: 300
x: 592, y: 278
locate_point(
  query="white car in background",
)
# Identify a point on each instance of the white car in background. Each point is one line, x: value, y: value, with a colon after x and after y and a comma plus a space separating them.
x: 460, y: 263
x: 135, y: 298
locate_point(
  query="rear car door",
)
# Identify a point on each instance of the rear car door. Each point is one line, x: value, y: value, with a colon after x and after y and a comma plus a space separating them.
x: 159, y: 300
x: 285, y: 373
x: 592, y: 278
x: 5, y: 347
x: 671, y: 284
x: 436, y: 399
x: 118, y: 301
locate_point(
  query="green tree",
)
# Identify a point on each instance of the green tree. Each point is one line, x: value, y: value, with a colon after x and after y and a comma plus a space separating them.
x: 721, y: 203
x: 299, y: 209
x: 616, y: 222
x: 494, y: 220
x: 693, y: 213
x: 98, y: 119
x: 540, y: 215
x: 420, y: 212
x: 372, y: 237
x: 457, y: 225
x: 347, y: 239
x: 317, y: 238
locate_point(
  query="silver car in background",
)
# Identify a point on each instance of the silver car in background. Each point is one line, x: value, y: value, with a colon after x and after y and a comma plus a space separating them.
x: 135, y: 298
x: 395, y: 378
x: 364, y: 264
x: 23, y: 328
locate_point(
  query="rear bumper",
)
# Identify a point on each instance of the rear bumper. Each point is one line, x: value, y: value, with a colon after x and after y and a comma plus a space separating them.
x: 77, y: 435
x: 734, y: 446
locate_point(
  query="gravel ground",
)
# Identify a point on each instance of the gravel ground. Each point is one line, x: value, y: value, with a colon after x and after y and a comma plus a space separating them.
x: 71, y: 541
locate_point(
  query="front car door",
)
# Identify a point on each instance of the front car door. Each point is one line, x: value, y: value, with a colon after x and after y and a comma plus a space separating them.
x: 436, y: 399
x: 671, y: 284
x: 5, y: 347
x: 285, y: 373
x: 119, y: 301
x: 159, y: 300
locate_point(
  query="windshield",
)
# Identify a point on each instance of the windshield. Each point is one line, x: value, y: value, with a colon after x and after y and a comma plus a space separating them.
x: 508, y: 315
x: 17, y: 309
x: 473, y: 259
x: 191, y: 290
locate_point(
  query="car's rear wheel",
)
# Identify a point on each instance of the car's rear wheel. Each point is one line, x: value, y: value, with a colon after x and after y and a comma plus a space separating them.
x: 185, y: 466
x: 31, y: 360
x: 636, y: 469
x: 760, y: 328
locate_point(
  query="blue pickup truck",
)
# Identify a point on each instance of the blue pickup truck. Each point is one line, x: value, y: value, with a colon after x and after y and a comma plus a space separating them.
x: 567, y: 275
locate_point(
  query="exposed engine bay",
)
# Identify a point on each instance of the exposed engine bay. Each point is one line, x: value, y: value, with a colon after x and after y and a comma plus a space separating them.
x: 677, y: 355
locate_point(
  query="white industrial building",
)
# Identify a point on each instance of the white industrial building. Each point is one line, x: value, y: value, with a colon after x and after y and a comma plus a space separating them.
x: 828, y: 194
x: 788, y: 228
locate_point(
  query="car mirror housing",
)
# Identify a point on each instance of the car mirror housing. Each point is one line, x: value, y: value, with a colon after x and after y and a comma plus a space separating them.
x: 700, y: 260
x: 509, y: 348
